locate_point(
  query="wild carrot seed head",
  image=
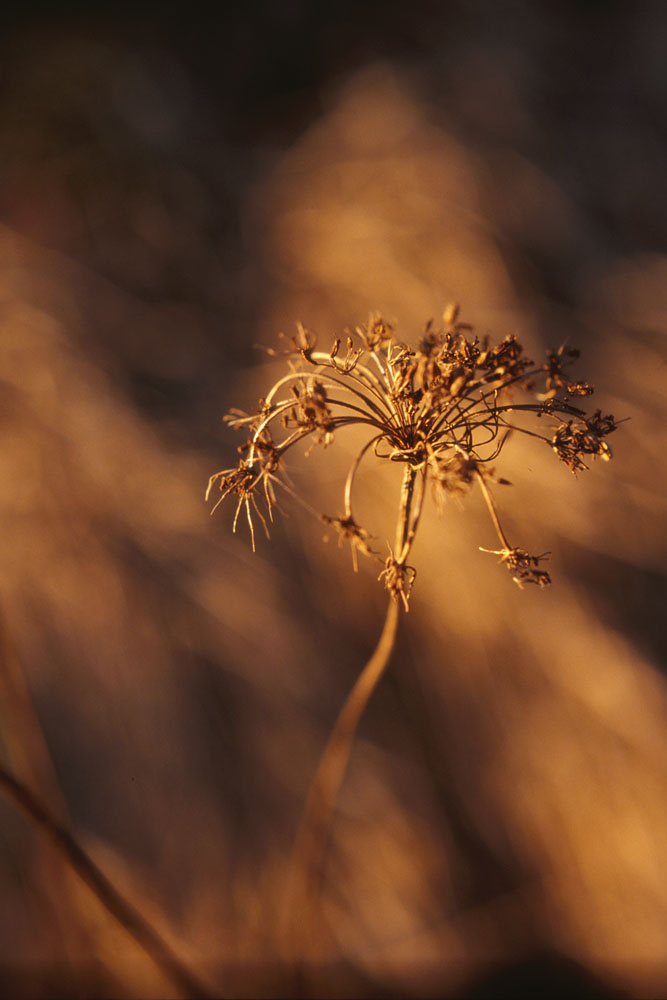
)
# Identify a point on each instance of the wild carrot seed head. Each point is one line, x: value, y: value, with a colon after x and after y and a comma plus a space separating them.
x: 443, y: 410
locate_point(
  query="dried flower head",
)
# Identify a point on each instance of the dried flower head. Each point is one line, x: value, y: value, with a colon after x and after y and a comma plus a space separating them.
x: 443, y: 411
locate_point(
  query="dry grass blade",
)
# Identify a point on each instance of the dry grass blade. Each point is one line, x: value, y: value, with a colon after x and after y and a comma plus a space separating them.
x: 123, y: 911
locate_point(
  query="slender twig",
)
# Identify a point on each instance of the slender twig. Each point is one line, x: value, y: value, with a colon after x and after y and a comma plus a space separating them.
x: 123, y: 911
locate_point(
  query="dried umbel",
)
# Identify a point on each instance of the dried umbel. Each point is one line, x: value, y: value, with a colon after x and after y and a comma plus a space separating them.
x: 443, y: 411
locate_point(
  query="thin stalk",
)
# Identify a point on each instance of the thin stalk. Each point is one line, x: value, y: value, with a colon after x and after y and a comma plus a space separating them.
x: 404, y: 535
x: 352, y: 473
x: 491, y: 504
x: 317, y: 819
x: 123, y: 911
x: 315, y: 827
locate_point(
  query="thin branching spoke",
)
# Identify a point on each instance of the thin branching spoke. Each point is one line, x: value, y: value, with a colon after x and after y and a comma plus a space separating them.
x: 443, y: 410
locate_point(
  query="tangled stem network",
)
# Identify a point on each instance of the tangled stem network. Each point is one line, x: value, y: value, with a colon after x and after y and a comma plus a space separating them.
x: 443, y: 411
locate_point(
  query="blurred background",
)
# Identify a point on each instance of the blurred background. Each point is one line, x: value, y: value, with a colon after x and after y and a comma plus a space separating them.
x: 176, y: 190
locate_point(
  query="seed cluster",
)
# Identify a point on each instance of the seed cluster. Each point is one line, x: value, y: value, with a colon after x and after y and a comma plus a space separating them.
x: 444, y: 411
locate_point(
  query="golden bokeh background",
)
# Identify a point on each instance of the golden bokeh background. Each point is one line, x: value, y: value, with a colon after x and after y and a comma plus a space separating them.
x: 171, y: 196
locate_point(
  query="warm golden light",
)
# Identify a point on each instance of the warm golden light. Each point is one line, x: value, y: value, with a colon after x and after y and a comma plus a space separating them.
x: 166, y: 693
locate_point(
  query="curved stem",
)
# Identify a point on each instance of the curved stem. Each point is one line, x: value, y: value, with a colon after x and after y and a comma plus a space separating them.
x: 315, y: 826
x: 353, y: 471
x: 491, y: 504
x: 312, y: 837
x: 124, y: 912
